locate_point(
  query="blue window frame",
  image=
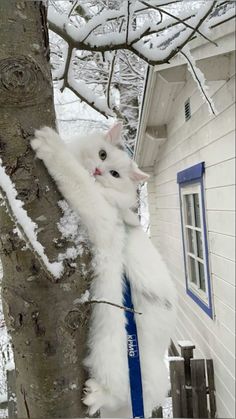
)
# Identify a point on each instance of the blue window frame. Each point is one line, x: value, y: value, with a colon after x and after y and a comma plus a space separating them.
x: 194, y: 232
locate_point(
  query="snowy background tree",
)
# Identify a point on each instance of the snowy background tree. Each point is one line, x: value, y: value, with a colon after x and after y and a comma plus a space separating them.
x: 99, y: 55
x: 107, y: 47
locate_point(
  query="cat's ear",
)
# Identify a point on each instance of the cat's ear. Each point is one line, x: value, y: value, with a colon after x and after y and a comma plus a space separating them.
x: 137, y: 175
x: 114, y: 134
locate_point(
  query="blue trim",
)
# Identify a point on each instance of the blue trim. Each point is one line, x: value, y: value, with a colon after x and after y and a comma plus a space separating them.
x: 209, y: 308
x: 135, y: 377
x: 191, y: 174
x: 194, y: 175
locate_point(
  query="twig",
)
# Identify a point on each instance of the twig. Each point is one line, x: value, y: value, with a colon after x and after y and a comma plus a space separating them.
x: 67, y: 66
x: 122, y: 15
x: 110, y: 78
x: 128, y: 64
x: 131, y: 310
x: 198, y: 81
x: 112, y: 70
x: 179, y: 48
x: 127, y: 23
x: 223, y: 21
x: 184, y: 23
x: 149, y: 32
x: 73, y: 8
x: 161, y: 18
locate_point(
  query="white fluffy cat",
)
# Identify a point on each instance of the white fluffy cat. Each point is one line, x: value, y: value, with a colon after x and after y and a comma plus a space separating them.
x: 99, y: 181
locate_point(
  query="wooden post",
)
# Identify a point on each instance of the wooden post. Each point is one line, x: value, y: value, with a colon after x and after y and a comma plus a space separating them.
x: 11, y: 394
x: 211, y: 387
x: 172, y: 350
x: 199, y: 391
x: 178, y: 390
x: 186, y: 351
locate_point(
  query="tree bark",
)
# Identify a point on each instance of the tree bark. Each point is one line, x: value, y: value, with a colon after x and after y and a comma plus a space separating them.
x: 48, y: 335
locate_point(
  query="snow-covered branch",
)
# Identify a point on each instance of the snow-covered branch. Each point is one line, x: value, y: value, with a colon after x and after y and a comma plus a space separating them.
x: 198, y: 77
x: 155, y: 31
x: 96, y: 35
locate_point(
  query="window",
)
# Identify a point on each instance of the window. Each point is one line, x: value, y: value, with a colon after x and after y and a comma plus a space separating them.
x: 194, y: 232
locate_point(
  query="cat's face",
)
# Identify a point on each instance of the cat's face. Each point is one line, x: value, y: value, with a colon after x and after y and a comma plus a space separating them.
x: 110, y: 166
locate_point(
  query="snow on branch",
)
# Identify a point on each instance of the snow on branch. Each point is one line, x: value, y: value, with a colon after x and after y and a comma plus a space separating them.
x: 154, y: 30
x: 79, y: 88
x: 184, y: 22
x: 198, y: 76
x: 25, y: 227
x: 96, y: 36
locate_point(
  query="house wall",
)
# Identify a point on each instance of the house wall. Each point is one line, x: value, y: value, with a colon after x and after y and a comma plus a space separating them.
x: 210, y: 139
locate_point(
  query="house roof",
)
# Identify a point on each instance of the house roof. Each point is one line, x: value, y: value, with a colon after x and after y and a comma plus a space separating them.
x: 164, y: 82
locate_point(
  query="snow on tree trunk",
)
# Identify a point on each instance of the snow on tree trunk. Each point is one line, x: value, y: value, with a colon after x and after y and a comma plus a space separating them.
x: 48, y: 332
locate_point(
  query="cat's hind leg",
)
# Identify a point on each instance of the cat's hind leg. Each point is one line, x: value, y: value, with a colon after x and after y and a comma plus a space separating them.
x: 96, y: 396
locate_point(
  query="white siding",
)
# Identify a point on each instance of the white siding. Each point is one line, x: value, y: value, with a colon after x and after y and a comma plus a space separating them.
x: 210, y: 139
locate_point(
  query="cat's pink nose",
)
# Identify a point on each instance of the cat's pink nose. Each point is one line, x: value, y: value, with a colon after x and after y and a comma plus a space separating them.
x: 97, y: 172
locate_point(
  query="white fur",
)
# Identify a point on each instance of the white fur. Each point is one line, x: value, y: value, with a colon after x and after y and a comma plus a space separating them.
x: 119, y: 245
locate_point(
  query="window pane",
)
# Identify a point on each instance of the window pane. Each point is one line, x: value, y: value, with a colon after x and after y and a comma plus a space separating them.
x: 199, y: 244
x: 190, y: 240
x: 197, y: 210
x: 189, y: 209
x: 202, y: 276
x: 192, y: 264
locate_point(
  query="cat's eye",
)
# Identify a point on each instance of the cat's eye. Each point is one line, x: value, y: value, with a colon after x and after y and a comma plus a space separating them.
x: 114, y: 173
x: 102, y: 154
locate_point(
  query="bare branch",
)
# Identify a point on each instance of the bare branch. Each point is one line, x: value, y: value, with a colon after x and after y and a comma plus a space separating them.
x: 223, y: 21
x: 198, y: 81
x: 127, y: 23
x: 73, y: 8
x: 110, y: 79
x: 112, y: 70
x: 131, y: 310
x: 180, y: 21
x: 133, y: 70
x: 67, y: 66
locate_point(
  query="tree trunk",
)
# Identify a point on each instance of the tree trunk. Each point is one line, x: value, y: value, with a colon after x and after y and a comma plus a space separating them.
x: 48, y: 334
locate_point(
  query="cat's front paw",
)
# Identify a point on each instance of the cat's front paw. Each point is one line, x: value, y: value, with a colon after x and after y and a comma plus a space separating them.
x: 94, y: 396
x: 46, y: 142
